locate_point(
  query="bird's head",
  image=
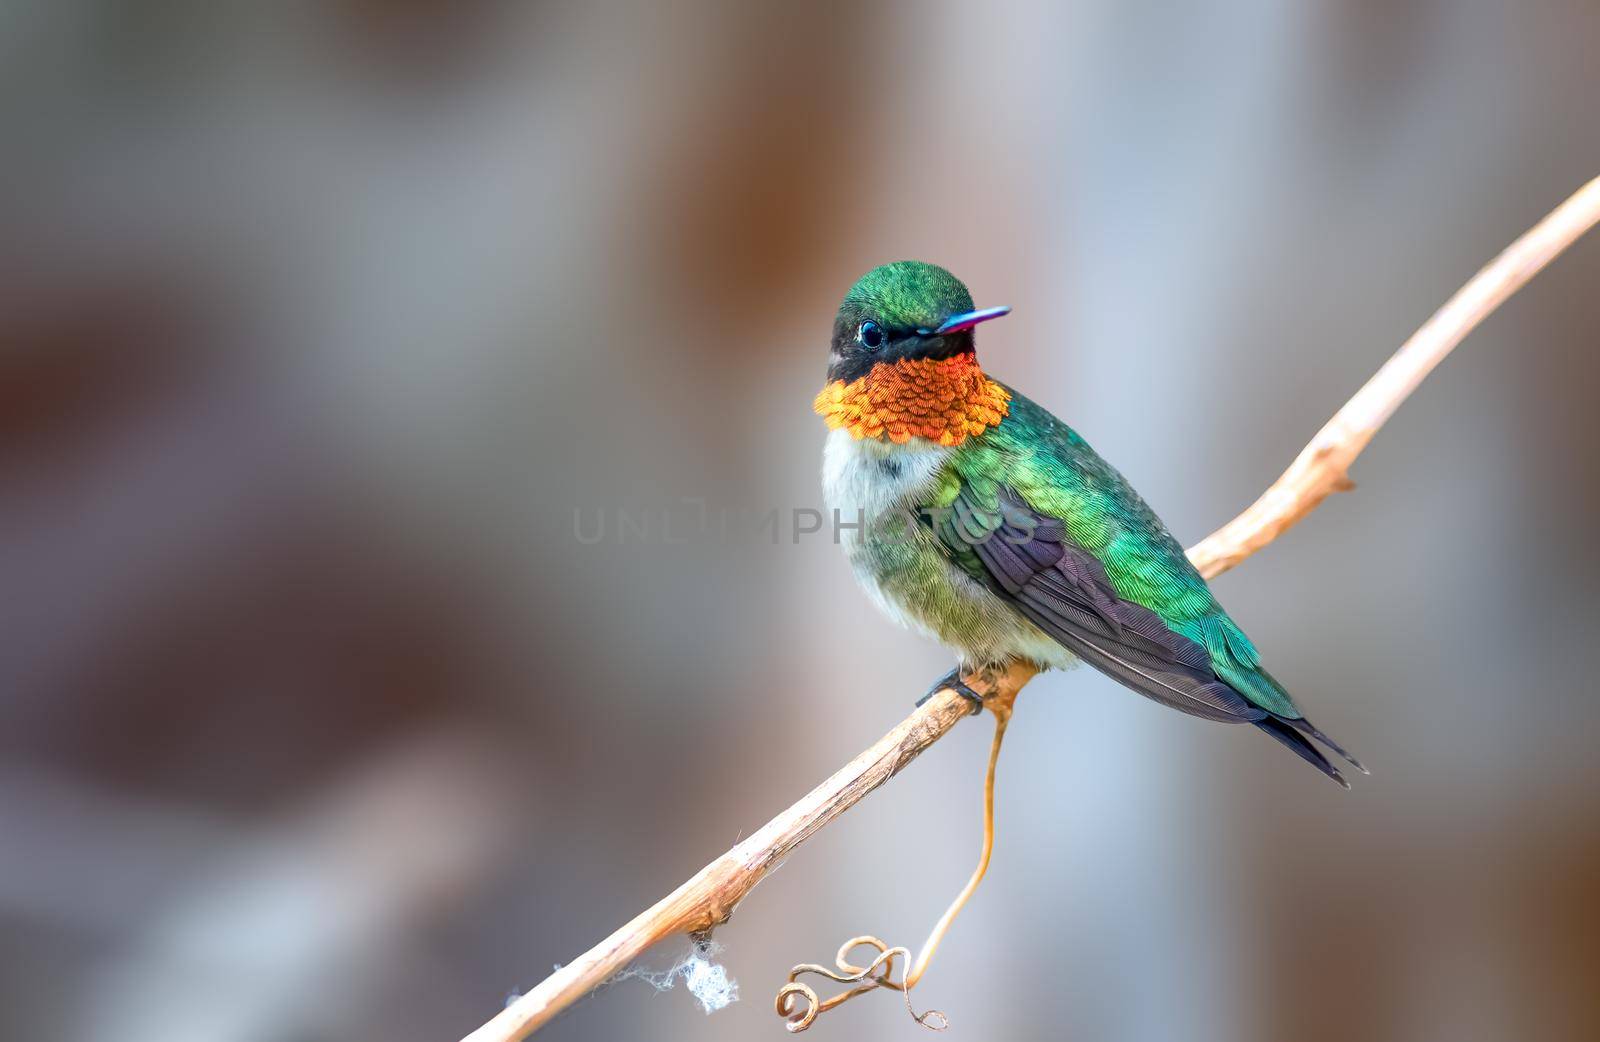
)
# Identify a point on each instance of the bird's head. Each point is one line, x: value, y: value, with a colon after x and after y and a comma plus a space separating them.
x: 902, y: 360
x: 904, y: 310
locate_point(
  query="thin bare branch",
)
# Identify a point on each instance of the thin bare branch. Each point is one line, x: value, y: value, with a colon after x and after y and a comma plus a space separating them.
x: 710, y: 896
x: 1322, y: 467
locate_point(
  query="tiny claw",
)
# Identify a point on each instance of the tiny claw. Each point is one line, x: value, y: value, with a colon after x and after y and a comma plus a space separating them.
x: 952, y: 681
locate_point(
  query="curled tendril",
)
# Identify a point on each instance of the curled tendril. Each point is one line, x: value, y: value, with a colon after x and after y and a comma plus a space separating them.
x: 879, y: 973
x: 798, y: 1003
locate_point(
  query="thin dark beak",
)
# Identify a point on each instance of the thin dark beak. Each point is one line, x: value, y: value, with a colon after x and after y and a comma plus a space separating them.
x: 966, y: 320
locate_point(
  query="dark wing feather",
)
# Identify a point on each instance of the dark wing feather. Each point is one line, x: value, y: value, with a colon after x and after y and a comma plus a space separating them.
x: 1030, y: 560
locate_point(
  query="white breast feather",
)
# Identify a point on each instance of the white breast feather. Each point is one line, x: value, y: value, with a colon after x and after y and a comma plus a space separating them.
x: 857, y: 484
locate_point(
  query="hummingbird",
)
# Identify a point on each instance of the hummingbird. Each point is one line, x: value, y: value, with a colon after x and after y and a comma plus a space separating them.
x: 976, y: 517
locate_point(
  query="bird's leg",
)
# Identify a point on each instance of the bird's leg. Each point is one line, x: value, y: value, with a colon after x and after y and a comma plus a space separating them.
x: 953, y: 681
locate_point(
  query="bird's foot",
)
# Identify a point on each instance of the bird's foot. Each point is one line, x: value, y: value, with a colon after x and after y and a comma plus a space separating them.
x: 953, y: 681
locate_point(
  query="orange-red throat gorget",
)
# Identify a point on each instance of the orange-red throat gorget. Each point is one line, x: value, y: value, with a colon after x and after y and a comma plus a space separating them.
x: 945, y: 400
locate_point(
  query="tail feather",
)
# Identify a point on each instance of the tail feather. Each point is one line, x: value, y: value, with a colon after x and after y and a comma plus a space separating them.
x: 1285, y: 732
x: 1304, y: 726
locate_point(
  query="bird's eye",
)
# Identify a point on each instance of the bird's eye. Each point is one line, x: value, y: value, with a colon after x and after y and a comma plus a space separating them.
x: 870, y: 335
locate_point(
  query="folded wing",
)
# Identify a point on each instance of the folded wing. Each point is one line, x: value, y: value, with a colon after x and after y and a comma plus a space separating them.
x: 1029, y: 559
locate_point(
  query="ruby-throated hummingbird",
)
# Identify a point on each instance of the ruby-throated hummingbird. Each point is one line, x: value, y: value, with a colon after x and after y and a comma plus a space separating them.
x: 973, y: 515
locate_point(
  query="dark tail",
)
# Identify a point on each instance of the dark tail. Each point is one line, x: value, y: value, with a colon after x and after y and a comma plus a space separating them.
x: 1293, y: 734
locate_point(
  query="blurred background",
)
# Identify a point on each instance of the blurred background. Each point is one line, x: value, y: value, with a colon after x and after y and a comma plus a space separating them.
x: 322, y: 324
